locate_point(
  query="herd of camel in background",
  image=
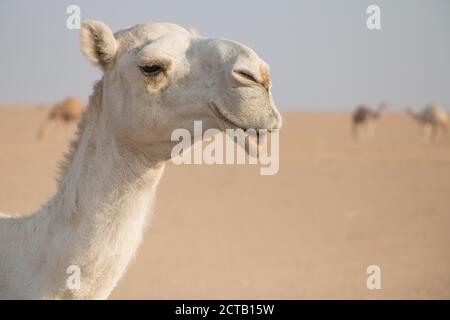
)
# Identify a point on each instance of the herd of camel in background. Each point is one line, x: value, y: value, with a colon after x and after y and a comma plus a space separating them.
x: 433, y: 118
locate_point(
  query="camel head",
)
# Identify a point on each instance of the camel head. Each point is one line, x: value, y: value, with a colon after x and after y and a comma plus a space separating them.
x: 158, y: 77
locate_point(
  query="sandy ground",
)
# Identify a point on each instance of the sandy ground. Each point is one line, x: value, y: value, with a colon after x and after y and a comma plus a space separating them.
x: 334, y: 208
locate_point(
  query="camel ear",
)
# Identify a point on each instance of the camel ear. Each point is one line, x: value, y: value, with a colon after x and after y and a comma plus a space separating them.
x: 98, y: 43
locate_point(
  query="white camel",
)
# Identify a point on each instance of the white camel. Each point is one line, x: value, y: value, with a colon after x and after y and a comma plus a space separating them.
x: 432, y: 119
x: 157, y: 77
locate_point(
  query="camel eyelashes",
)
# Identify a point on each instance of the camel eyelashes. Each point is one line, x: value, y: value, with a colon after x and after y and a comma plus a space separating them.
x: 152, y: 70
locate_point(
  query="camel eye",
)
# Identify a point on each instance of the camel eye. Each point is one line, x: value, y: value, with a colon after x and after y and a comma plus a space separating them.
x: 152, y: 70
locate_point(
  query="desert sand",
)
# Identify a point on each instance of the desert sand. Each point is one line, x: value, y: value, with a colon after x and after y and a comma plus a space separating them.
x: 226, y: 232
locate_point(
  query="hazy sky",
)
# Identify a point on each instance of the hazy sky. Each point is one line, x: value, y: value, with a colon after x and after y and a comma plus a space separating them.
x: 321, y: 53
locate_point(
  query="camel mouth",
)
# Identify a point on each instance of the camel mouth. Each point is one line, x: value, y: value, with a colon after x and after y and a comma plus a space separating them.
x: 256, y: 137
x: 225, y: 122
x: 221, y: 119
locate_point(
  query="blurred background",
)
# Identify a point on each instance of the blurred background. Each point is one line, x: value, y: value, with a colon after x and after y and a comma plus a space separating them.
x: 358, y: 185
x: 321, y: 53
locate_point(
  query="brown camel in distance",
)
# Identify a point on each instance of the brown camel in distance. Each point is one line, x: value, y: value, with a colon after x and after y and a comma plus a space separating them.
x: 365, y: 117
x: 67, y: 111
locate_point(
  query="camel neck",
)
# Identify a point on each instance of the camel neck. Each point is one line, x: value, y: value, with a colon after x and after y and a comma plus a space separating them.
x: 78, y: 245
x: 104, y: 171
x: 105, y: 197
x: 96, y: 219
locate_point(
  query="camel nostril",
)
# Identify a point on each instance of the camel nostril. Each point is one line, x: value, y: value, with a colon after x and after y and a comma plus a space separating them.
x: 246, y: 75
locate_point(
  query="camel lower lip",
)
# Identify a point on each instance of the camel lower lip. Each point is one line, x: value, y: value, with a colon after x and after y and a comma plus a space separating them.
x: 220, y: 116
x: 258, y: 135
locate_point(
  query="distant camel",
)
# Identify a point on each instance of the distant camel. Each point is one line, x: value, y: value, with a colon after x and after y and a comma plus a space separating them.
x: 432, y: 119
x: 66, y: 111
x: 364, y: 116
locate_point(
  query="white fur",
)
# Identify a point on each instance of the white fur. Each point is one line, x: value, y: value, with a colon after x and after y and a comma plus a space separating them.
x: 432, y: 120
